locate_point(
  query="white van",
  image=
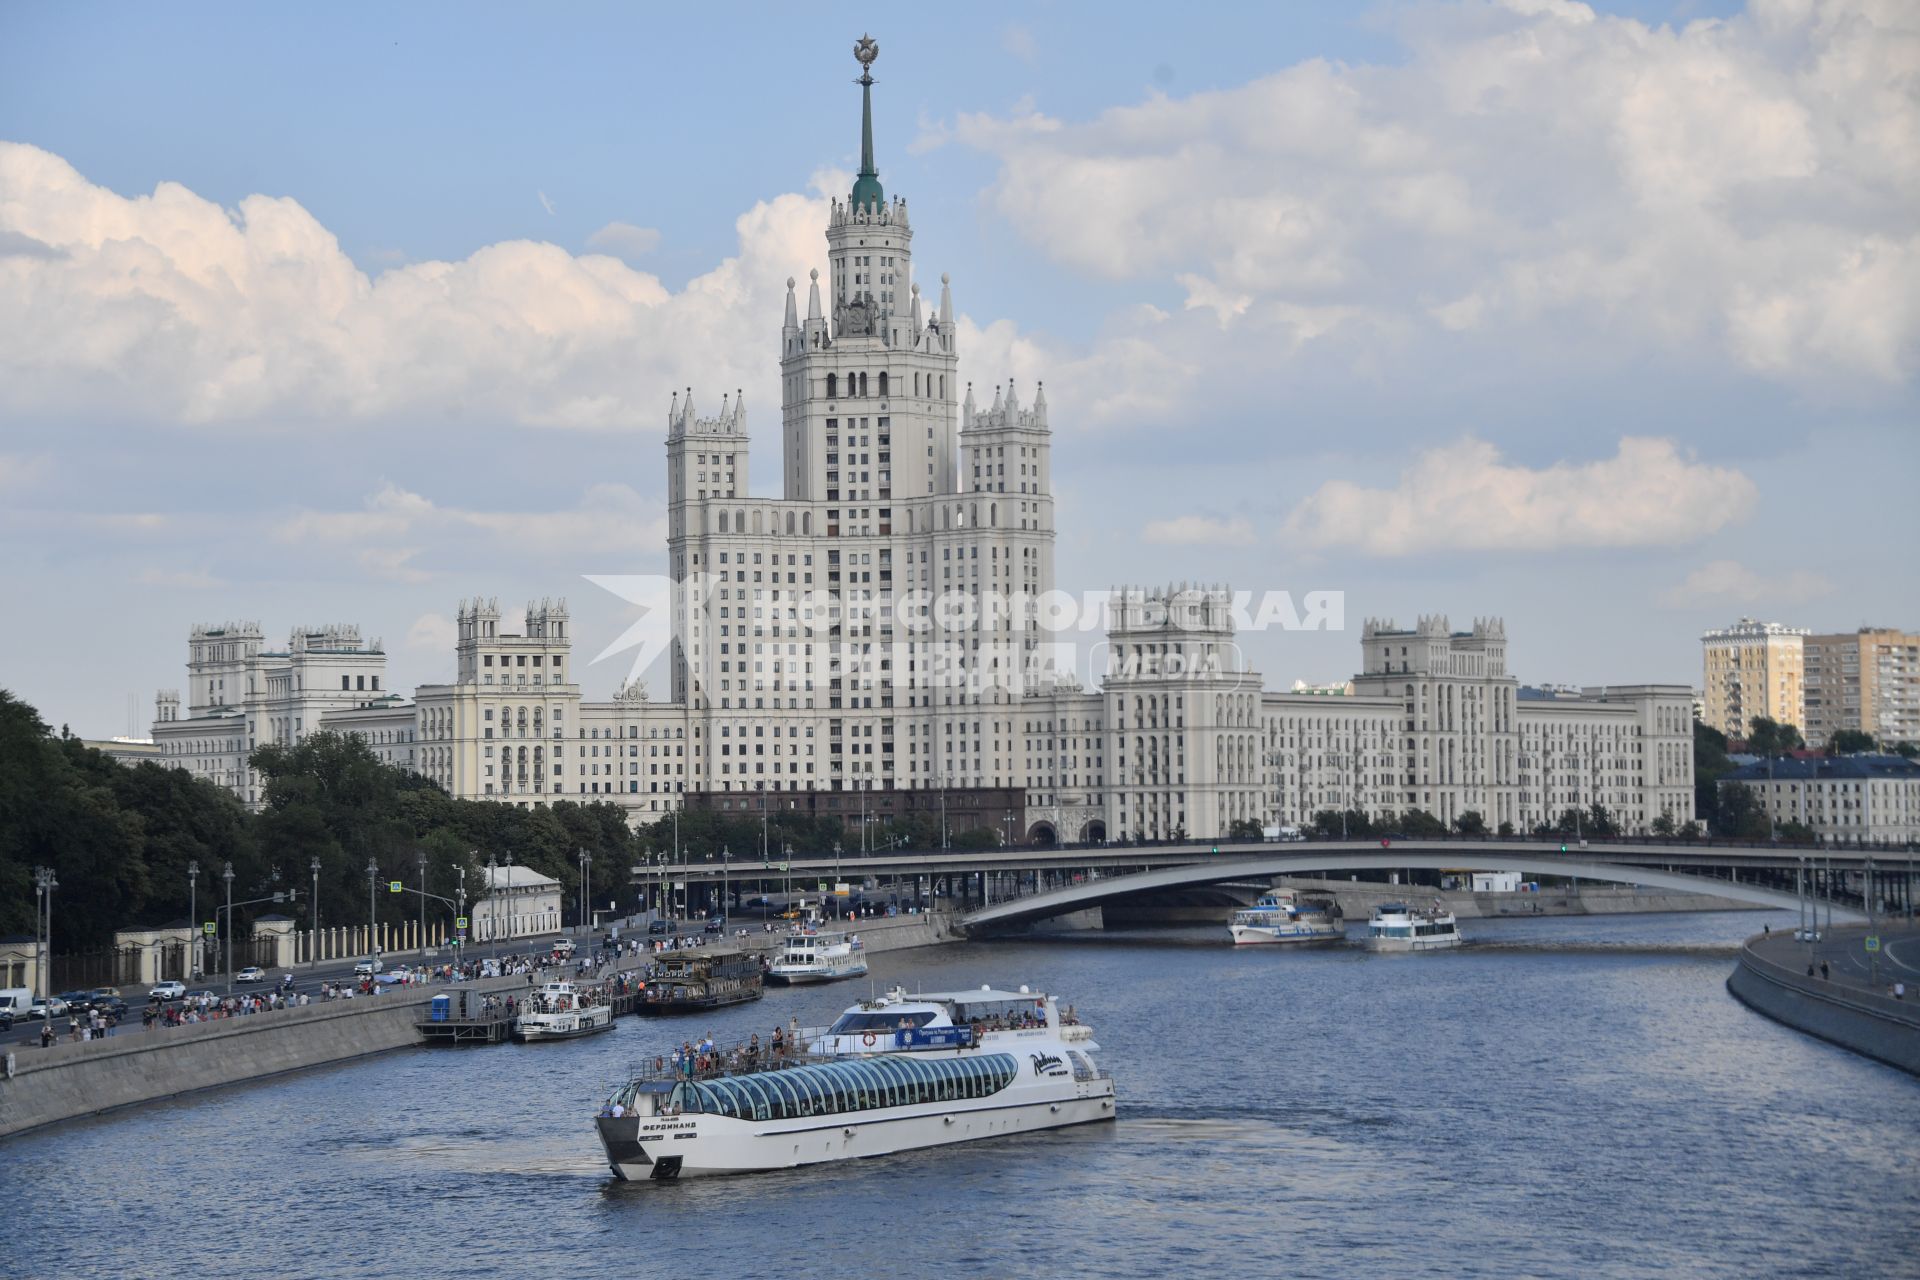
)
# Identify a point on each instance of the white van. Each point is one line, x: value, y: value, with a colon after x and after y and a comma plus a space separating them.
x: 563, y: 948
x: 14, y: 1003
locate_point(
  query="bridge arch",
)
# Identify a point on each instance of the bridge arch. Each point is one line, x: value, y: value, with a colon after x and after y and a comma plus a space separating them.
x: 1094, y: 892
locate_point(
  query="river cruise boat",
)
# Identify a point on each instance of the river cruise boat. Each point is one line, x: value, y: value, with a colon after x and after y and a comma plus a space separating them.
x: 893, y: 1074
x: 1279, y: 917
x: 1398, y: 927
x: 819, y: 957
x: 700, y: 978
x: 559, y: 1011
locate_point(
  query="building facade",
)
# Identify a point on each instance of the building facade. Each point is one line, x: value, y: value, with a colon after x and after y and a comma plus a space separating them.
x: 1845, y: 799
x: 519, y: 903
x: 1866, y: 680
x: 877, y: 628
x: 1753, y: 669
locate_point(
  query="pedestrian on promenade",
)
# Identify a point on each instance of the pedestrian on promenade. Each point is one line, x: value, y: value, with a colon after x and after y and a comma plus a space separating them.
x: 46, y: 1035
x: 1823, y: 971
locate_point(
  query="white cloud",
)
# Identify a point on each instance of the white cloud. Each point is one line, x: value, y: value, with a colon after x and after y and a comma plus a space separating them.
x: 1018, y: 41
x: 609, y: 518
x: 183, y: 579
x: 1199, y: 531
x: 433, y: 633
x: 169, y: 307
x: 390, y: 564
x: 1745, y: 188
x: 624, y: 240
x: 1723, y: 583
x: 545, y: 203
x: 1463, y: 497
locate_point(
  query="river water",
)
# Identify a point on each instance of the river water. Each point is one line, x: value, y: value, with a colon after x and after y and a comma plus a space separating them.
x: 1564, y: 1097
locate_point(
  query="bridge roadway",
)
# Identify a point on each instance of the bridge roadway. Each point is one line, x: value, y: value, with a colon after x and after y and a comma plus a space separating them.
x: 1696, y: 866
x: 1497, y: 853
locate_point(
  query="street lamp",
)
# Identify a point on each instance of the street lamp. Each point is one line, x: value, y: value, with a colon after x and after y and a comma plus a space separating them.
x: 725, y: 855
x: 227, y: 875
x: 836, y: 878
x: 373, y: 873
x: 44, y: 884
x: 493, y: 905
x: 314, y: 951
x: 193, y: 912
x: 586, y: 894
x: 420, y: 860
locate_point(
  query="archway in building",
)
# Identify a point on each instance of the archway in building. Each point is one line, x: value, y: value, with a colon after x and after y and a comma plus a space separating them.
x: 1094, y: 832
x: 1042, y: 835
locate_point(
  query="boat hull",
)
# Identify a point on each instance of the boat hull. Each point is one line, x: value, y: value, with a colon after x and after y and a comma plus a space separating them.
x: 801, y: 977
x: 1442, y: 942
x: 1252, y: 935
x: 661, y: 1008
x: 707, y: 1146
x: 593, y: 1023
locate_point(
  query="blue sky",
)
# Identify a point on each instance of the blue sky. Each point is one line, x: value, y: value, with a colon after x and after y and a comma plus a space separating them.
x: 1600, y: 320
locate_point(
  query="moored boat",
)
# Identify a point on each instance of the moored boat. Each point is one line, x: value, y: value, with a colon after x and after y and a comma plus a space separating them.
x: 1279, y: 917
x: 559, y: 1011
x: 810, y: 956
x: 701, y: 978
x: 889, y: 1075
x: 1395, y: 926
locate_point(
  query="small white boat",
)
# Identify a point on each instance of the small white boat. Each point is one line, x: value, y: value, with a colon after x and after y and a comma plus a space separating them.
x: 889, y: 1075
x: 1280, y: 917
x: 558, y: 1011
x: 1396, y: 926
x: 819, y: 957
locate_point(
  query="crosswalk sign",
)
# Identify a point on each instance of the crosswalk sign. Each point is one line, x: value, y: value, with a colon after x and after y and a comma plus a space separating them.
x: 393, y: 886
x: 460, y: 922
x: 1873, y: 942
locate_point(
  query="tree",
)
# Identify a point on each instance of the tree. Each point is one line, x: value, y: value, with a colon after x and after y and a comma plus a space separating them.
x: 1710, y: 764
x: 1506, y: 828
x: 1599, y: 822
x: 1471, y: 823
x: 1772, y: 738
x: 1849, y: 742
x: 1244, y: 829
x: 1906, y: 750
x: 1740, y: 815
x: 1663, y: 825
x: 1421, y: 824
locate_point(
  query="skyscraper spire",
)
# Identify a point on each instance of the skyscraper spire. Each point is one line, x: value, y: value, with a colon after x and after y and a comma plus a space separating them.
x: 866, y: 188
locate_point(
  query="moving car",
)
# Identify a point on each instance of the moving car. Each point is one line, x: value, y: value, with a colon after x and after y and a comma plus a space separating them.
x: 367, y: 968
x: 659, y: 926
x: 110, y: 1006
x: 53, y: 1008
x: 167, y: 991
x: 252, y: 973
x: 563, y: 948
x: 77, y: 1001
x: 716, y: 924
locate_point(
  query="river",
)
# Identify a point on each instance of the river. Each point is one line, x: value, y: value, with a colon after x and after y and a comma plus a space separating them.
x: 1565, y: 1097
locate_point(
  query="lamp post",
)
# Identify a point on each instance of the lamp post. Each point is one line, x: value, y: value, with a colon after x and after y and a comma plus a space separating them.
x: 459, y: 910
x: 725, y: 855
x: 373, y: 874
x: 44, y: 883
x: 836, y: 878
x: 420, y: 860
x: 586, y: 893
x: 314, y: 956
x: 227, y: 875
x: 493, y: 905
x: 193, y: 913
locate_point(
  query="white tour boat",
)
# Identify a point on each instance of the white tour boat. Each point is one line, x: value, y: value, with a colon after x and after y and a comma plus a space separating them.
x: 1398, y: 927
x: 819, y: 957
x: 559, y: 1012
x: 891, y: 1074
x: 1280, y: 917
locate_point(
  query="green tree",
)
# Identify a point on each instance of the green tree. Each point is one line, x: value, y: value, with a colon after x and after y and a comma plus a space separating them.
x: 1244, y: 829
x: 1710, y: 764
x: 1906, y: 750
x: 1471, y: 823
x: 1773, y: 738
x: 1849, y: 742
x: 1420, y: 824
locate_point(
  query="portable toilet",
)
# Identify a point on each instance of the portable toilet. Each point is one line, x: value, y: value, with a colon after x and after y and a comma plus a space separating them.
x: 442, y: 1007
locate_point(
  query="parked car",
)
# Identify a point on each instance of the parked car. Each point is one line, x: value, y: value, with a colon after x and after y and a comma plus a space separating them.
x: 77, y: 1001
x: 14, y: 1003
x: 716, y: 924
x: 167, y: 991
x: 53, y: 1008
x: 110, y: 1006
x: 657, y: 927
x: 252, y: 973
x: 367, y: 968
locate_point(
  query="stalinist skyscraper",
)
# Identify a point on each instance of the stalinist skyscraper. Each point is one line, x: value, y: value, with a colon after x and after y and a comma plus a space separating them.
x: 850, y: 634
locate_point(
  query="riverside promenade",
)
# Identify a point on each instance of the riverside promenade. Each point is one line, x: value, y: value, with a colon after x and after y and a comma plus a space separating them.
x: 1850, y: 1000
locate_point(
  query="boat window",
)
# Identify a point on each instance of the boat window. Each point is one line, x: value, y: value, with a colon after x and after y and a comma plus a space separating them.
x: 881, y: 1020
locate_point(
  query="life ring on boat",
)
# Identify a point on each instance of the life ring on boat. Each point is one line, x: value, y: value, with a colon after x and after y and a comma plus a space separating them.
x: 867, y: 1039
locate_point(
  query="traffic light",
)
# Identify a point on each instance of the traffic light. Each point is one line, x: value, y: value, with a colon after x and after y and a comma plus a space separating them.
x: 1563, y: 847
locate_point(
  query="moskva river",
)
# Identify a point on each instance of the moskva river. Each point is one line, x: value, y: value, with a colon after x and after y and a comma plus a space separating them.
x: 1573, y: 1098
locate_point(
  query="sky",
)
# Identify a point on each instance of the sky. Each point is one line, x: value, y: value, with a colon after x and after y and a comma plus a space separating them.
x: 1602, y: 319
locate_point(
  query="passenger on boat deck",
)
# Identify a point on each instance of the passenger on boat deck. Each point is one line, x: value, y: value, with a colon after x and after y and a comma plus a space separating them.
x: 618, y: 1111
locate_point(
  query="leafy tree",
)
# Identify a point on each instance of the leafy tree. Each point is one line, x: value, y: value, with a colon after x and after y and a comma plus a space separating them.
x: 1420, y: 824
x: 1908, y: 750
x: 1710, y: 764
x: 1663, y: 825
x: 1244, y: 829
x: 1471, y: 823
x: 1506, y: 828
x: 1599, y: 822
x: 1848, y: 742
x: 1740, y: 815
x: 1772, y: 738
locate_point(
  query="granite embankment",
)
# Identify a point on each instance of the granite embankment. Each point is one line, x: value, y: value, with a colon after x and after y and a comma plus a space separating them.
x: 1359, y: 898
x: 43, y: 1086
x: 1837, y: 1002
